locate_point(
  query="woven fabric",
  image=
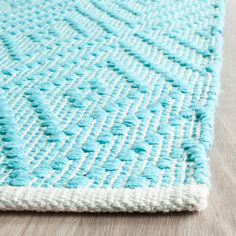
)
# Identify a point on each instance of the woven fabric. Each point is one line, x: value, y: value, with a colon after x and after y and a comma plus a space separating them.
x: 107, y: 105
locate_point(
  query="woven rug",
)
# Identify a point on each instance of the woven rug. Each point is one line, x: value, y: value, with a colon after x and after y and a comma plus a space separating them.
x: 107, y: 105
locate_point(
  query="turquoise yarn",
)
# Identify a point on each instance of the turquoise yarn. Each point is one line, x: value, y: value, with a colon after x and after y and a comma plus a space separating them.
x: 108, y: 94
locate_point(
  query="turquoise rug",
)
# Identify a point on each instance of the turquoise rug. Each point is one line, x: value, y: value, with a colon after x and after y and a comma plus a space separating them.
x: 107, y: 105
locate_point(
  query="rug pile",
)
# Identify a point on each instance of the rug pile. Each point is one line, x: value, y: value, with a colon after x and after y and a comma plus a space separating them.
x: 107, y: 105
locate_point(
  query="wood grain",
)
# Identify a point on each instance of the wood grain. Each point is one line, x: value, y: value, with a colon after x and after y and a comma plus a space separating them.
x: 218, y: 219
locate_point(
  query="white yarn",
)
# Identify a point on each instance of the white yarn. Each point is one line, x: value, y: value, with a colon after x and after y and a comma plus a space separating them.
x: 186, y: 197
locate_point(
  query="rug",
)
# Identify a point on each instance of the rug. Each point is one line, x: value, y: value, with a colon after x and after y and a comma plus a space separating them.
x: 107, y: 105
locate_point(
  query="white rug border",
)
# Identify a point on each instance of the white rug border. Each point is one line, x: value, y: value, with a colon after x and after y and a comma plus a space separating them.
x: 161, y: 199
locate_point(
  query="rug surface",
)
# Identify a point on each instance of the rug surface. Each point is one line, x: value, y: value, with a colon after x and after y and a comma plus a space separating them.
x: 107, y: 105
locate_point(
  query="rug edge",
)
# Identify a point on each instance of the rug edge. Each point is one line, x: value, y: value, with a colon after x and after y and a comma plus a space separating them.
x: 162, y: 199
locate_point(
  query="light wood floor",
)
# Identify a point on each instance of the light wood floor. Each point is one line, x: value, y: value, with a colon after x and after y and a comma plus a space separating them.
x: 218, y: 219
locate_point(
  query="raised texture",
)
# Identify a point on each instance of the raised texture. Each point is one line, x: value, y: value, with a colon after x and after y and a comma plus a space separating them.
x: 107, y: 105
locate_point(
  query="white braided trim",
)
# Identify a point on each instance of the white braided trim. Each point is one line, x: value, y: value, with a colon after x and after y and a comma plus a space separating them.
x: 185, y: 197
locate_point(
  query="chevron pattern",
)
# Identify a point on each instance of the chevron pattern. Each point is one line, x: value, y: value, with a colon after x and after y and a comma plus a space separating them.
x: 108, y: 94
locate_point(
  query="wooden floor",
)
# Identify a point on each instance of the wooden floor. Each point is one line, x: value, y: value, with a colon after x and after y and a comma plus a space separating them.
x: 218, y: 219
